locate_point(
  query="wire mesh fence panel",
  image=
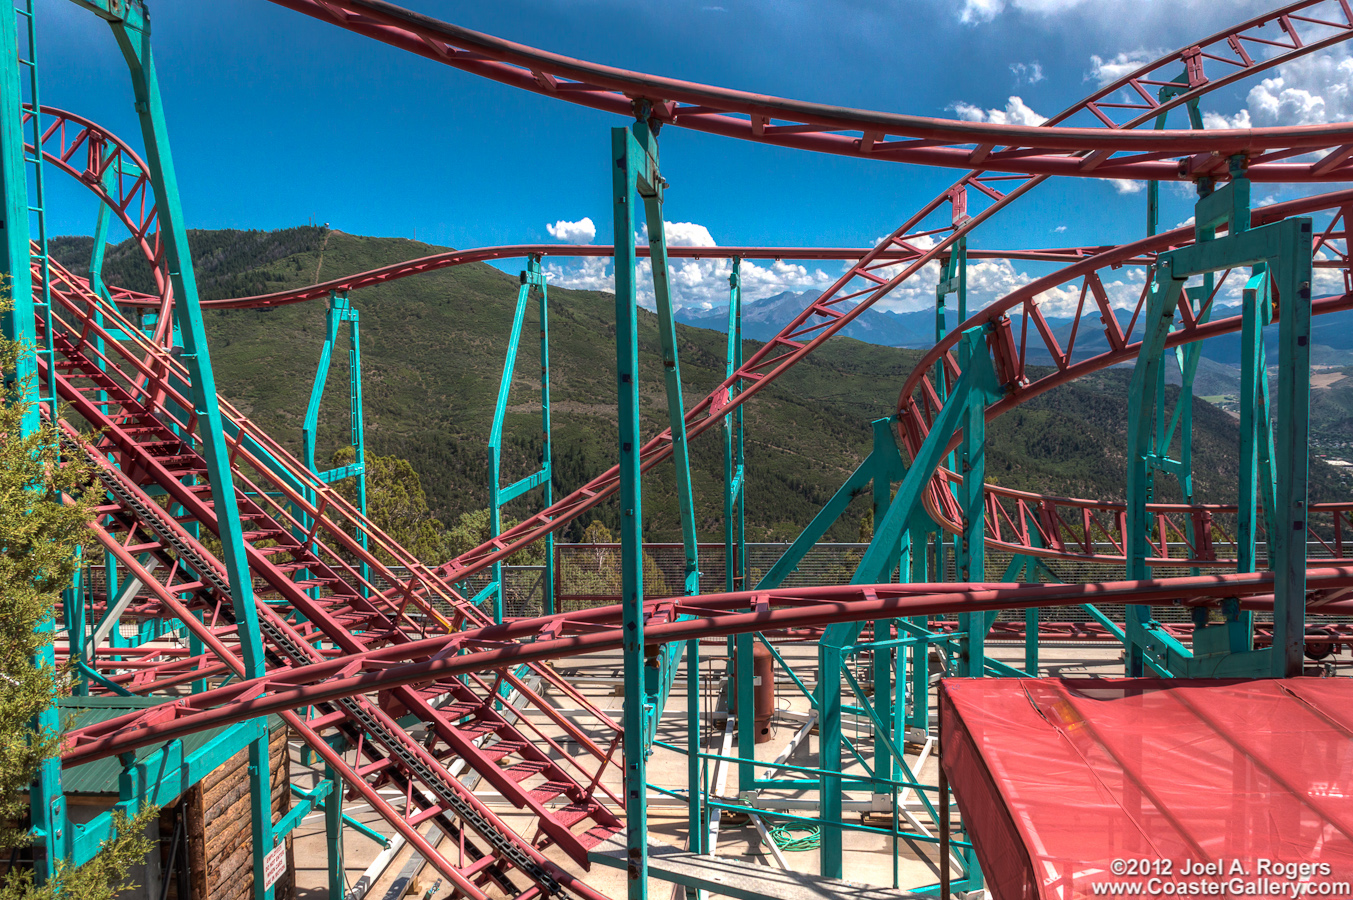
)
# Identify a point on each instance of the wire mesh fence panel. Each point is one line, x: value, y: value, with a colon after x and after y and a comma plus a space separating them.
x: 589, y: 575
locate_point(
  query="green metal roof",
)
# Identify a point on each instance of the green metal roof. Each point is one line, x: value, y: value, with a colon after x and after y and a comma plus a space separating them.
x: 101, y: 775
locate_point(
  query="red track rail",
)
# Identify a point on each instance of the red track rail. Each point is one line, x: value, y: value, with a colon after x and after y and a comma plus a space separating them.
x: 1047, y: 526
x: 113, y: 171
x: 450, y: 258
x: 405, y: 647
x: 871, y: 279
x: 1221, y: 59
x: 307, y: 562
x: 673, y: 619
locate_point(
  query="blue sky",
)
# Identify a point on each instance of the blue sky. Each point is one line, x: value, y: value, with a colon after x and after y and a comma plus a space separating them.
x: 278, y: 119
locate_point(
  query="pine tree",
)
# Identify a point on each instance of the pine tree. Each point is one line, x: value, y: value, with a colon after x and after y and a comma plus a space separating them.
x: 44, y: 516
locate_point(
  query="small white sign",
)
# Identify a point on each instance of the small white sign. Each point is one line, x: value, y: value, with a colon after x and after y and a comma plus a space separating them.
x: 274, y: 865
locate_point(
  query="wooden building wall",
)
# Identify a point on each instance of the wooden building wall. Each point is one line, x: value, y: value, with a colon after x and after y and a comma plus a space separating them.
x: 219, y: 814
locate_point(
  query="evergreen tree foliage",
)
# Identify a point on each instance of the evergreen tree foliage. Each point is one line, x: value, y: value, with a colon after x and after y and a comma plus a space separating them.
x: 44, y: 514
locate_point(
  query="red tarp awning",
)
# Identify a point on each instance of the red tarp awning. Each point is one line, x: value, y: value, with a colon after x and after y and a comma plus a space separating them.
x: 1058, y: 778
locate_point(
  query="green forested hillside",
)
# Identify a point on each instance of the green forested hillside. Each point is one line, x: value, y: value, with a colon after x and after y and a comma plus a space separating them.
x: 433, y: 349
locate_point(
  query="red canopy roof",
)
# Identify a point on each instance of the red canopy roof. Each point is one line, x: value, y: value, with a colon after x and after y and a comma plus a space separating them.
x: 1058, y: 778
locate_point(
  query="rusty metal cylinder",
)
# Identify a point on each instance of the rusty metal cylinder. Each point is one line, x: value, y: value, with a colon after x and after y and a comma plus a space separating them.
x: 763, y: 689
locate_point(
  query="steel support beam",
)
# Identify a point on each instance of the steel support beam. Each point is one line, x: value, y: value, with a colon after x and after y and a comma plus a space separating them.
x: 1283, y: 249
x: 22, y: 211
x: 627, y: 154
x: 532, y: 282
x: 976, y: 387
x: 133, y: 38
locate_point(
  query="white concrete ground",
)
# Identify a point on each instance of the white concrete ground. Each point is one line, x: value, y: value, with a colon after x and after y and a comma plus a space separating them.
x: 869, y: 858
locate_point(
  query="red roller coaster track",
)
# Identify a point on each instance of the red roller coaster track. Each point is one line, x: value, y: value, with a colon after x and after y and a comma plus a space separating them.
x: 1218, y: 60
x: 418, y: 648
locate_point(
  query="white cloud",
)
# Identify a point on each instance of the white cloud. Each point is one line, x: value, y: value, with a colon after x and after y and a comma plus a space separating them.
x: 699, y: 284
x: 579, y: 232
x: 1125, y: 185
x: 1016, y: 112
x: 1312, y: 90
x: 1217, y: 120
x: 1122, y: 293
x: 988, y: 280
x: 1102, y: 71
x: 1059, y: 229
x: 1027, y: 73
x: 975, y: 11
x: 684, y: 234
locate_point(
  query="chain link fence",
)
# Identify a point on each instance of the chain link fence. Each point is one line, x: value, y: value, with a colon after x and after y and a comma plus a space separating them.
x: 588, y: 575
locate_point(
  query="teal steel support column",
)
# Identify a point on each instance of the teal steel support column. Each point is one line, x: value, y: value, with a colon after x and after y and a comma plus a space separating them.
x: 977, y: 384
x: 734, y: 471
x: 953, y: 280
x: 626, y: 156
x: 136, y: 49
x: 1284, y: 250
x: 340, y: 310
x: 1256, y: 432
x: 47, y: 802
x: 651, y: 188
x: 661, y: 670
x: 333, y: 833
x: 546, y: 440
x: 532, y: 282
x: 919, y: 536
x: 15, y: 264
x: 1287, y: 544
x: 1164, y: 296
x: 831, y: 659
x: 695, y: 795
x: 1159, y: 460
x: 357, y: 428
x: 972, y: 543
x: 887, y: 468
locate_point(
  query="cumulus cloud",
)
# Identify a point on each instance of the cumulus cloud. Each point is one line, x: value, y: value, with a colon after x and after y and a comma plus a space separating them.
x: 988, y: 281
x: 1312, y: 90
x: 1059, y: 229
x: 1125, y: 185
x: 579, y: 232
x: 1123, y: 293
x: 1102, y: 71
x: 683, y: 234
x: 1217, y: 120
x: 976, y: 11
x: 1016, y: 112
x: 1027, y: 73
x: 697, y: 284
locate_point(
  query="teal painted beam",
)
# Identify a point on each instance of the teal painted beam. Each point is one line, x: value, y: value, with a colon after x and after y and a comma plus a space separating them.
x: 650, y: 186
x: 1287, y: 543
x: 136, y: 50
x: 734, y: 498
x: 532, y: 283
x: 18, y: 63
x: 161, y: 778
x: 625, y: 156
x: 340, y: 310
x: 975, y: 384
x: 310, y: 424
x: 517, y: 488
x: 15, y: 260
x: 971, y: 496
